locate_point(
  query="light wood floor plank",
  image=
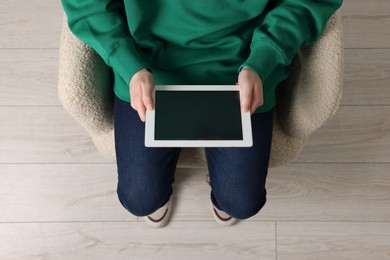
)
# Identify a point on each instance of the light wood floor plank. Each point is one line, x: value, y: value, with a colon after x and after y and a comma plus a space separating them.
x: 354, y: 134
x: 328, y: 192
x: 365, y: 23
x: 44, y: 135
x: 324, y: 241
x: 60, y: 192
x: 375, y: 7
x: 30, y: 24
x: 366, y: 32
x: 100, y: 240
x: 366, y: 77
x: 28, y: 77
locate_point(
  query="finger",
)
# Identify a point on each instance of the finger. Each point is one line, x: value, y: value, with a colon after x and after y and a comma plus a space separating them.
x: 246, y: 97
x: 135, y: 98
x: 257, y: 98
x: 134, y: 103
x: 147, y: 100
x: 141, y: 112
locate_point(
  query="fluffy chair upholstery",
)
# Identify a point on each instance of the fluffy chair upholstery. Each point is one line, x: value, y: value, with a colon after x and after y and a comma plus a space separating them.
x: 305, y: 101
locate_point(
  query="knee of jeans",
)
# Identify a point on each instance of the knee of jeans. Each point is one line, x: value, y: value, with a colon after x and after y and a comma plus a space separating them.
x: 241, y: 206
x: 138, y: 202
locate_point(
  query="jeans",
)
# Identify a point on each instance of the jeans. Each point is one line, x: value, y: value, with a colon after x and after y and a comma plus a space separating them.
x: 145, y: 175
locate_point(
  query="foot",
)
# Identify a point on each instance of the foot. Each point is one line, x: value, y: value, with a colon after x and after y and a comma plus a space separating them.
x: 160, y: 217
x: 221, y: 217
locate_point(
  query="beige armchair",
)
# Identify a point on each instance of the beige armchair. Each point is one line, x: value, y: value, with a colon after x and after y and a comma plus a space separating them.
x: 305, y: 101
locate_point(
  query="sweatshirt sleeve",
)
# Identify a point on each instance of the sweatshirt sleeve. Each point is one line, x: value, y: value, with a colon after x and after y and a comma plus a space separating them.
x: 102, y: 25
x: 288, y: 26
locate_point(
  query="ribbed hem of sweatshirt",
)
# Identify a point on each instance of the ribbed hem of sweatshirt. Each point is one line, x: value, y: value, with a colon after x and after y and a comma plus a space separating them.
x: 126, y: 60
x: 264, y: 58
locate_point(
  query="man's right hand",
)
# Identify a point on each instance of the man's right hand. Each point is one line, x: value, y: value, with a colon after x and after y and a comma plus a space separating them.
x: 141, y: 87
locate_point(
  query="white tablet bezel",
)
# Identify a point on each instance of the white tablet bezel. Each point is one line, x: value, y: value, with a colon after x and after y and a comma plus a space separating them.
x: 150, y: 122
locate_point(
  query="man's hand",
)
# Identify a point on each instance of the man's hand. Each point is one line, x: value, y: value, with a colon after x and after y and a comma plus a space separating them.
x: 251, y: 94
x: 141, y: 87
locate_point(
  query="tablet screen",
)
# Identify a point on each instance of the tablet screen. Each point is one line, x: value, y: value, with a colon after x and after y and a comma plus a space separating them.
x: 197, y: 115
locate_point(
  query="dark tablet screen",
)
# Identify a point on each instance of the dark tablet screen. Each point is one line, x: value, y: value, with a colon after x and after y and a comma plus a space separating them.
x: 197, y: 115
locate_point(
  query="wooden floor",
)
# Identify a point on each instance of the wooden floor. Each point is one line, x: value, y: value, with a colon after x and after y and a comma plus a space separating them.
x: 58, y: 194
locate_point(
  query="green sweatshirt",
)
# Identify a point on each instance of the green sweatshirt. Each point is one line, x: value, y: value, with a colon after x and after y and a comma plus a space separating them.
x: 202, y: 42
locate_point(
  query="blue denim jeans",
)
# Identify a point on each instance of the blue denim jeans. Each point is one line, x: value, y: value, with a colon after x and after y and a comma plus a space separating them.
x: 145, y: 175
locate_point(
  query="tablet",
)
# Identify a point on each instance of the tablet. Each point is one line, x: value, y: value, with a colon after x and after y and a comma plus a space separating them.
x: 197, y: 116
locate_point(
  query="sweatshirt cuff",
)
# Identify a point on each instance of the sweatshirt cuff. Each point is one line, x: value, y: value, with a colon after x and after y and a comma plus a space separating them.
x: 264, y: 58
x: 126, y: 60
